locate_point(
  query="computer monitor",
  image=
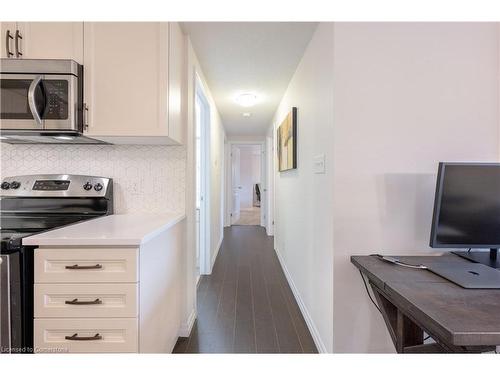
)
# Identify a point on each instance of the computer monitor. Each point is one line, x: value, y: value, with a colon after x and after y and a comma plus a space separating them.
x: 467, y: 210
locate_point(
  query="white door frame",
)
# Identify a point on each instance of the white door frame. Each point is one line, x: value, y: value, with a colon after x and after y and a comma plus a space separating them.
x: 235, y: 190
x: 270, y: 159
x: 205, y: 261
x: 263, y: 178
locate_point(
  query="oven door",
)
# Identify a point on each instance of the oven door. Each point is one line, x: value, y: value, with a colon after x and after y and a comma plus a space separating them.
x: 5, y: 330
x: 38, y: 102
x: 12, y: 313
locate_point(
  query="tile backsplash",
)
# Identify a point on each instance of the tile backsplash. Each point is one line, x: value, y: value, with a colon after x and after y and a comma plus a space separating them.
x: 146, y: 178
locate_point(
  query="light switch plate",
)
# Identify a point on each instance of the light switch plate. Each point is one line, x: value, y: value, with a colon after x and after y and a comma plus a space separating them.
x: 319, y: 164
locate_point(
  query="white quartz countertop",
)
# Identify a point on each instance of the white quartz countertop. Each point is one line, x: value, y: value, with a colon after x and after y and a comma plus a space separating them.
x: 112, y: 230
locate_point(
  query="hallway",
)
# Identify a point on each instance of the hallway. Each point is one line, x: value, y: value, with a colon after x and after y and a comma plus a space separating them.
x: 246, y: 305
x: 249, y: 216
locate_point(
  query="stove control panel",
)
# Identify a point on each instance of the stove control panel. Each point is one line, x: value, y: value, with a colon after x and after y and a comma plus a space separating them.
x: 52, y: 185
x: 10, y: 185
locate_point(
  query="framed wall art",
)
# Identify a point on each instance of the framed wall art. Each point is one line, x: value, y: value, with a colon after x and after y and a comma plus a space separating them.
x: 287, y: 142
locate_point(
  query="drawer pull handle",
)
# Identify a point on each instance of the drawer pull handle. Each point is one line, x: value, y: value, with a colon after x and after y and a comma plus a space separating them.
x: 77, y: 267
x: 75, y: 337
x: 97, y: 301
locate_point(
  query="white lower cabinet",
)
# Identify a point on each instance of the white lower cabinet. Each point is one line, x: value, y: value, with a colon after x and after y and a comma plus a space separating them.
x: 104, y: 299
x: 77, y: 300
x: 86, y: 265
x: 86, y: 300
x: 86, y: 335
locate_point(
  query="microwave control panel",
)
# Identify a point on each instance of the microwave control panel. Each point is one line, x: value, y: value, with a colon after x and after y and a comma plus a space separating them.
x: 57, y: 99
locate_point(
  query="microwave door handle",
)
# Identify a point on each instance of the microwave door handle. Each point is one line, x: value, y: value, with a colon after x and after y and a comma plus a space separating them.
x: 31, y: 99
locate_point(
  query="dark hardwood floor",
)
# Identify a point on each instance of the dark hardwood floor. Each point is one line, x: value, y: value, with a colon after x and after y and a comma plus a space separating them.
x: 246, y: 304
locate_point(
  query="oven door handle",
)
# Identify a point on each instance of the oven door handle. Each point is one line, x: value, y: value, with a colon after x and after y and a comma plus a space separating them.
x: 32, y: 100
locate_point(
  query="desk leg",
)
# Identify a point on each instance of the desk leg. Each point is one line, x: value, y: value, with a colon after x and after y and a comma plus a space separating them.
x: 407, y: 333
x: 389, y: 313
x: 408, y: 337
x: 404, y: 333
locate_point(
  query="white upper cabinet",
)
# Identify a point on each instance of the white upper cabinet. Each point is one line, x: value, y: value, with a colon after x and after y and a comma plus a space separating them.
x: 53, y: 40
x: 176, y: 78
x: 133, y: 76
x: 7, y: 48
x: 42, y: 40
x: 134, y: 73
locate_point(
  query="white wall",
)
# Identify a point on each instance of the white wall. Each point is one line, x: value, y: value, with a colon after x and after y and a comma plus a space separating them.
x: 216, y: 155
x: 250, y: 160
x: 303, y: 200
x: 217, y: 178
x: 406, y: 96
x: 189, y: 312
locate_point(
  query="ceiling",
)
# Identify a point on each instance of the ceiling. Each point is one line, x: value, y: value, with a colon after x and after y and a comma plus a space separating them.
x: 255, y: 57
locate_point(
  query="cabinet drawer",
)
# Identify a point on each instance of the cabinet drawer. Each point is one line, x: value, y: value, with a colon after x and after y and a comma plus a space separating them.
x: 99, y: 335
x: 86, y: 265
x: 86, y: 300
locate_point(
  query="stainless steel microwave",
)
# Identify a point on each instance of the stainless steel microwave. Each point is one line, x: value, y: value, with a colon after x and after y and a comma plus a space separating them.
x: 41, y: 101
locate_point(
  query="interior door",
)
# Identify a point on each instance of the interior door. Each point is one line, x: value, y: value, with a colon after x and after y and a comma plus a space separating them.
x: 236, y: 187
x: 5, y: 334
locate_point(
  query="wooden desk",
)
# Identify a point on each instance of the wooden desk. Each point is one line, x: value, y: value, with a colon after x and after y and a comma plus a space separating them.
x: 413, y: 301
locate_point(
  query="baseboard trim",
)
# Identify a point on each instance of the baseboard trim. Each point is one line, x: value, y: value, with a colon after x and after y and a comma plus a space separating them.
x: 303, y: 309
x: 186, y: 327
x: 214, y: 258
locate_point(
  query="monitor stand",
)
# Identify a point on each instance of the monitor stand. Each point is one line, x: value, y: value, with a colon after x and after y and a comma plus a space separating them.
x: 490, y: 258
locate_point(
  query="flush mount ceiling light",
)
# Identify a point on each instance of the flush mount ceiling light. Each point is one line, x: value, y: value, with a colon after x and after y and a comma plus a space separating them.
x: 246, y: 114
x: 246, y: 99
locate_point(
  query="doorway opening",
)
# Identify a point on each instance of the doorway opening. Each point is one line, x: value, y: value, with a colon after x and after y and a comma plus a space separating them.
x: 247, y: 184
x: 202, y: 151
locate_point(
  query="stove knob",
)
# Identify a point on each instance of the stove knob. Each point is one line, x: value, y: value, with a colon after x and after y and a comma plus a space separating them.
x: 98, y: 187
x: 15, y: 185
x: 87, y: 186
x: 5, y: 186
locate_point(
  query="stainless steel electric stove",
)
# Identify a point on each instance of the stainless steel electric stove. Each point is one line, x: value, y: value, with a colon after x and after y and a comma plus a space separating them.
x: 29, y: 205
